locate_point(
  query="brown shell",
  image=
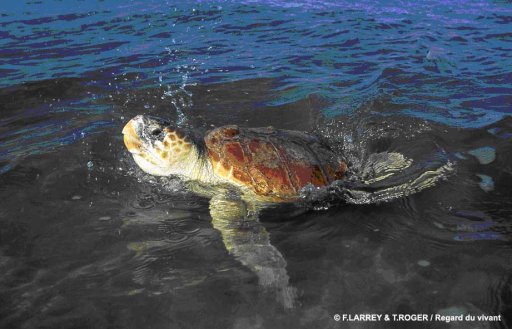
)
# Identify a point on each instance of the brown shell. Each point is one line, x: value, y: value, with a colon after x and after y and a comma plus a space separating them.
x: 273, y: 163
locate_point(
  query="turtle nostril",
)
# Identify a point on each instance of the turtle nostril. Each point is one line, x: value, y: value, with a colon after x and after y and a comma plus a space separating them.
x: 156, y: 132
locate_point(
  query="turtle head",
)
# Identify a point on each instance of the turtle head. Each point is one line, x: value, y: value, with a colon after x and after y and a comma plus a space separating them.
x: 158, y: 148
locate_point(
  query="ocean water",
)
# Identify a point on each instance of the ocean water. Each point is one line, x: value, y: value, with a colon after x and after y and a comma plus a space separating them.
x: 89, y: 241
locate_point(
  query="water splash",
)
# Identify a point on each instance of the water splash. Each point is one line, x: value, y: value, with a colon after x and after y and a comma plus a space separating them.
x: 180, y: 97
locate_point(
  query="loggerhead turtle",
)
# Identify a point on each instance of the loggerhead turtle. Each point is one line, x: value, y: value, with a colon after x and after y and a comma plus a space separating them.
x: 245, y: 170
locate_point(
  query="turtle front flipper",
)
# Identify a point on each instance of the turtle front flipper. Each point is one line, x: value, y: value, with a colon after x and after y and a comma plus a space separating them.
x: 380, y: 166
x: 248, y: 241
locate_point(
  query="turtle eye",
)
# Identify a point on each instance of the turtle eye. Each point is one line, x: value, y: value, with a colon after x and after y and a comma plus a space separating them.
x: 156, y: 131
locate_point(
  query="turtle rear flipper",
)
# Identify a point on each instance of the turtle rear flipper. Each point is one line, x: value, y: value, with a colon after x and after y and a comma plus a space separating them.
x: 388, y: 176
x: 249, y: 242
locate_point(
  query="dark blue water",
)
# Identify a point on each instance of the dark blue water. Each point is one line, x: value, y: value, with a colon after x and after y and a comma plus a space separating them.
x: 87, y: 241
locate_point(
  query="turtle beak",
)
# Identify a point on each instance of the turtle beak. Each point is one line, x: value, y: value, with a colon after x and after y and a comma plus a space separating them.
x: 131, y: 138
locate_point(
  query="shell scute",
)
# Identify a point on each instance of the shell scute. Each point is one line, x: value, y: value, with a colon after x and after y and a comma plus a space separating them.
x: 231, y: 132
x: 235, y: 151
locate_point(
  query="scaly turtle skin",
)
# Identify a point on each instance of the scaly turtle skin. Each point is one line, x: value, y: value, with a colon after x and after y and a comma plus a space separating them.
x: 270, y: 164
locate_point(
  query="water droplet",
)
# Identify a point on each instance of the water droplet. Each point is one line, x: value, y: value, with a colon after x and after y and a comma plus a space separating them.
x: 423, y: 263
x: 486, y: 183
x: 485, y: 155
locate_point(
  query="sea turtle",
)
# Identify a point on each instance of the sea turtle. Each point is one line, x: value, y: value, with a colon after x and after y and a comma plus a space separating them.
x: 270, y: 165
x: 247, y: 169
